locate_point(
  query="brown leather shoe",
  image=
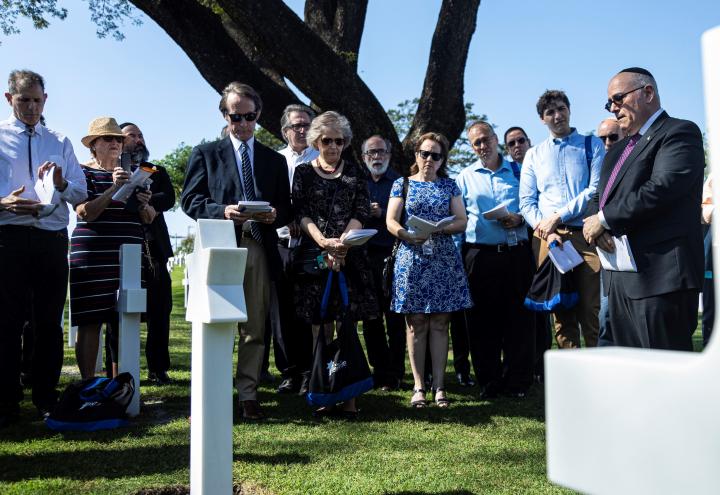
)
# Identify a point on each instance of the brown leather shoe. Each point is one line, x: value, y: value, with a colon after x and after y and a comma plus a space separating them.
x: 252, y: 410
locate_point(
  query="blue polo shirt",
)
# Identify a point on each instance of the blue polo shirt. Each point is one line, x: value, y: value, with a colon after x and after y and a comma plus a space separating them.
x: 482, y: 190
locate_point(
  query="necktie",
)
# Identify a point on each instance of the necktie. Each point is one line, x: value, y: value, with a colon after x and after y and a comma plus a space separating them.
x: 249, y: 187
x: 31, y: 132
x: 616, y: 169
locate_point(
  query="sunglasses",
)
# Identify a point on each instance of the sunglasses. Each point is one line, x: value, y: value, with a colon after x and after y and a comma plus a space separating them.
x: 298, y: 127
x: 327, y: 141
x: 618, y: 98
x: 435, y: 156
x: 110, y: 139
x: 518, y: 141
x: 237, y: 117
x: 375, y: 153
x: 610, y: 137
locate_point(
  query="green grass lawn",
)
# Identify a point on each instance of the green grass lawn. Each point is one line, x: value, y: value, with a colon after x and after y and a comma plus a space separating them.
x: 473, y: 447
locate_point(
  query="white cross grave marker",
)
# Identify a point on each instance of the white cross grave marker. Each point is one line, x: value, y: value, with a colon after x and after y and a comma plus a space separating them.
x: 216, y: 304
x: 131, y: 302
x: 637, y: 421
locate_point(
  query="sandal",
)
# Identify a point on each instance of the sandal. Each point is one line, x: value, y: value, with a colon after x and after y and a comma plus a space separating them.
x: 442, y: 402
x: 418, y: 403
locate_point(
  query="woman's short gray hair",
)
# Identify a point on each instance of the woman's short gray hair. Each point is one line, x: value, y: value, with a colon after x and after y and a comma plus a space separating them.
x: 329, y: 121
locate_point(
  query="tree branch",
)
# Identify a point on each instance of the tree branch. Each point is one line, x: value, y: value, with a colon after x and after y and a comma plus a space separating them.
x: 207, y: 39
x: 301, y: 56
x: 339, y: 23
x: 441, y: 107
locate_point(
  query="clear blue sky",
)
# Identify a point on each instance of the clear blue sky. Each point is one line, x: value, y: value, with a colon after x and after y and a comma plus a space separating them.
x: 519, y: 49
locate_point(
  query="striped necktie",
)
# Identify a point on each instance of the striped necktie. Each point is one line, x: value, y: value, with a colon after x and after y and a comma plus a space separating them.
x: 249, y: 187
x: 616, y: 169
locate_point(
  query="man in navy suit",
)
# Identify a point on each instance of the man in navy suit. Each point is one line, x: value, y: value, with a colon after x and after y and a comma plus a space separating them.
x: 650, y: 190
x: 220, y: 174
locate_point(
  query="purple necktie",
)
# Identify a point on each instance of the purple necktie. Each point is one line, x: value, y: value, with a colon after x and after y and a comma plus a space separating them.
x: 616, y: 169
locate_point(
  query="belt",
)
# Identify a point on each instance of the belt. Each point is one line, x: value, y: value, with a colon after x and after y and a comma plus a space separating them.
x: 496, y: 248
x: 569, y: 227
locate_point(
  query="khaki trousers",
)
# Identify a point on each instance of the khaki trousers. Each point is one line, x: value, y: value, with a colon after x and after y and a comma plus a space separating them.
x: 257, y: 301
x: 587, y: 280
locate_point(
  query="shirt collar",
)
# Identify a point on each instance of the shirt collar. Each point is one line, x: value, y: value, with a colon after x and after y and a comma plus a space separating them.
x: 567, y: 138
x: 650, y: 122
x: 21, y: 126
x: 479, y: 167
x: 236, y: 143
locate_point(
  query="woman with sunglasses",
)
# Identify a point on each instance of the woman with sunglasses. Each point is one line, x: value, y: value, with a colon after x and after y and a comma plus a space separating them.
x: 103, y: 225
x: 429, y: 282
x: 330, y: 197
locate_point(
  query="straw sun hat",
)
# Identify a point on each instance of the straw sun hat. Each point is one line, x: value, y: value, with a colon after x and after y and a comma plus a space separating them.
x: 101, y: 126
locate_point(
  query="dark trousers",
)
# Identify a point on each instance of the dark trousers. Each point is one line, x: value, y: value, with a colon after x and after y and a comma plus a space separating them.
x: 292, y: 337
x: 159, y: 306
x: 666, y: 321
x: 32, y: 261
x: 385, y: 341
x: 708, y: 292
x: 28, y: 339
x: 500, y: 330
x: 460, y: 343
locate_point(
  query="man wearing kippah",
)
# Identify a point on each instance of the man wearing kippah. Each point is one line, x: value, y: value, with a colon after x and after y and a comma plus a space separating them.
x: 650, y: 191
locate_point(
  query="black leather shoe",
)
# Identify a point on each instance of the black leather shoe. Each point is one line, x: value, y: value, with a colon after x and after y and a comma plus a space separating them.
x: 490, y: 391
x: 288, y: 386
x: 304, y: 385
x: 465, y: 380
x: 159, y: 377
x: 266, y: 377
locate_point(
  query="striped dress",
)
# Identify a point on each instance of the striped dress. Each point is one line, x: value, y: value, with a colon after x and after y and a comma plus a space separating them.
x: 95, y: 255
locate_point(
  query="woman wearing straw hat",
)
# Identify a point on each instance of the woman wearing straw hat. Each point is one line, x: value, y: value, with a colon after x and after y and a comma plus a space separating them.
x: 103, y: 226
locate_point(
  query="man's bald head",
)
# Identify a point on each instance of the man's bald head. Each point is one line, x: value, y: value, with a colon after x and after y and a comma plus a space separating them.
x: 610, y: 132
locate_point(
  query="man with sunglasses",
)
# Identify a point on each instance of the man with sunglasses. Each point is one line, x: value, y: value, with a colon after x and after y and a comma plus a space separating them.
x: 517, y: 144
x: 292, y: 338
x: 610, y: 132
x: 650, y: 190
x: 558, y: 178
x: 219, y: 175
x: 499, y: 265
x: 33, y: 242
x: 159, y: 285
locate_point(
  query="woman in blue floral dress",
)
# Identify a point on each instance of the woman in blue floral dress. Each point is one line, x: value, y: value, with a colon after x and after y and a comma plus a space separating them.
x: 429, y: 282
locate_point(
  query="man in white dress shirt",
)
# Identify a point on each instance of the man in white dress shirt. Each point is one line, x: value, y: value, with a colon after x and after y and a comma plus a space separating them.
x: 33, y: 241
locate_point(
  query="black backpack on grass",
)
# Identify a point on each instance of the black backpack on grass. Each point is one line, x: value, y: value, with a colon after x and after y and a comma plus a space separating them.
x: 93, y: 404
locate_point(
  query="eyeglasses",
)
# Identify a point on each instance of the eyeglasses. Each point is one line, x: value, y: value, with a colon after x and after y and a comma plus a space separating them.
x: 375, y: 153
x: 327, y: 141
x: 237, y: 117
x: 518, y: 141
x: 110, y: 139
x: 619, y: 97
x: 298, y: 127
x: 435, y: 156
x: 610, y: 137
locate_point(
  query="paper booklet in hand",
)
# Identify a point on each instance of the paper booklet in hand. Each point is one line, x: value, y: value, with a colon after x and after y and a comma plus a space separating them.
x: 620, y: 260
x: 137, y: 179
x: 500, y: 211
x: 254, y: 206
x: 357, y: 237
x: 46, y: 193
x: 564, y: 256
x: 417, y: 225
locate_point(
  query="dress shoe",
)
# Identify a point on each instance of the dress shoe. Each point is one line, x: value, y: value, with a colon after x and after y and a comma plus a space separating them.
x: 465, y: 380
x: 288, y: 386
x: 489, y: 391
x: 266, y: 377
x: 304, y: 385
x: 251, y: 410
x: 159, y: 377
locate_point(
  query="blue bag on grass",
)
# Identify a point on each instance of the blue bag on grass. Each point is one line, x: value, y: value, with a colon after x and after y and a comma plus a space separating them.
x: 340, y: 370
x: 551, y: 290
x: 93, y: 404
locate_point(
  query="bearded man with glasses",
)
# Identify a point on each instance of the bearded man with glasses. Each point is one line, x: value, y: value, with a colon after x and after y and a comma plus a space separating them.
x: 221, y: 173
x: 650, y: 190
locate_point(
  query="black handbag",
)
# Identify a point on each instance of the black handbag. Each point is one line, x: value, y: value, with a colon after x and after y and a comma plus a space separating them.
x: 551, y: 290
x: 340, y: 370
x: 389, y: 262
x: 309, y: 261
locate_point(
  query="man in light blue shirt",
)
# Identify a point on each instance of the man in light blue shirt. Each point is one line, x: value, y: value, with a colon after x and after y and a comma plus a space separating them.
x: 558, y: 178
x: 499, y: 266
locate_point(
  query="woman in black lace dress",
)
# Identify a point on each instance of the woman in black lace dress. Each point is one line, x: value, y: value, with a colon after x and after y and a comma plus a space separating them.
x: 330, y: 197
